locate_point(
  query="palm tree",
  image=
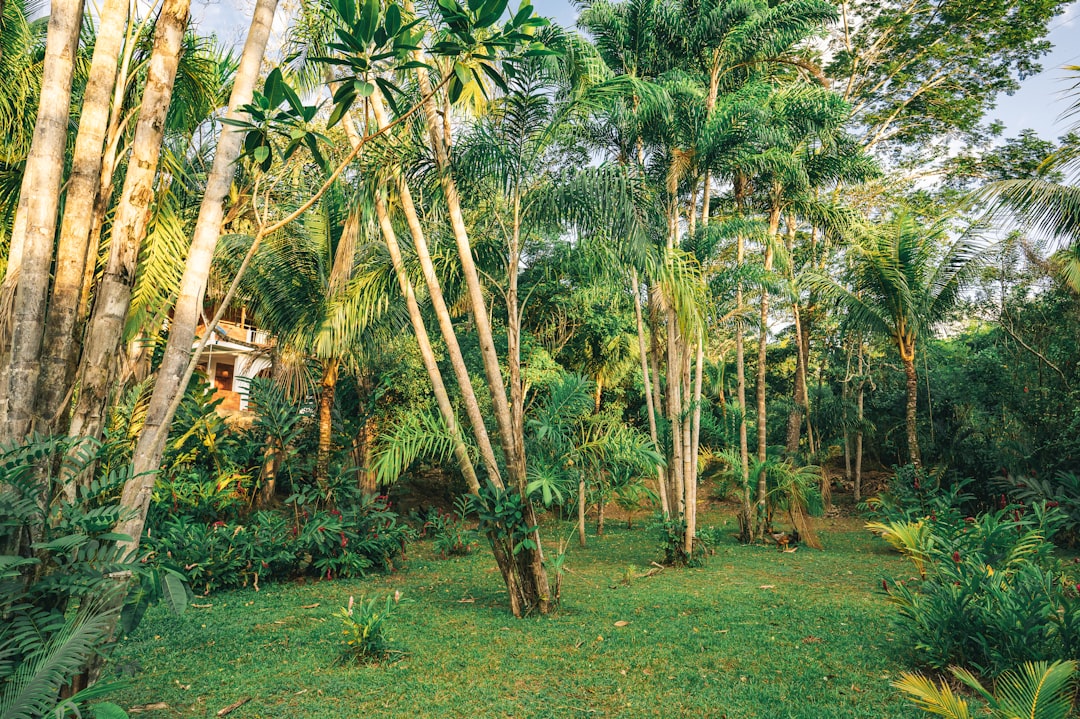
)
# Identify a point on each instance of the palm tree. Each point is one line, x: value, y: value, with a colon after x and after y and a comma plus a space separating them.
x: 1050, y: 207
x: 321, y: 290
x: 171, y: 380
x: 905, y: 279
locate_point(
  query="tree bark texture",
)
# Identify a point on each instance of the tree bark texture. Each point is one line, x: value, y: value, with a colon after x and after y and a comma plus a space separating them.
x: 98, y: 366
x: 170, y: 379
x: 59, y: 356
x: 35, y: 222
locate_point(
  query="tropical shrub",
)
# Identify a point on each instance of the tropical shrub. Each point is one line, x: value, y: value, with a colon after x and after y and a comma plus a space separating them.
x: 449, y: 532
x: 365, y: 536
x: 59, y: 601
x: 989, y: 595
x: 365, y: 626
x: 915, y: 493
x: 1062, y: 490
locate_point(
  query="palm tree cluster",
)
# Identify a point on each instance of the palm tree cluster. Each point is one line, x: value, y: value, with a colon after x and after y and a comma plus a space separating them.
x: 575, y: 239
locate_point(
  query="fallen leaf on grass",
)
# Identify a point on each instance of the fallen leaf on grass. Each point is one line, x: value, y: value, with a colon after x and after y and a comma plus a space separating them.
x: 622, y: 623
x: 156, y: 706
x: 233, y: 707
x: 309, y: 606
x: 767, y: 586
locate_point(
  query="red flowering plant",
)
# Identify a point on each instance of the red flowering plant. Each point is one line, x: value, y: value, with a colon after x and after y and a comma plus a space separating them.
x: 992, y: 594
x: 354, y: 539
x: 916, y: 494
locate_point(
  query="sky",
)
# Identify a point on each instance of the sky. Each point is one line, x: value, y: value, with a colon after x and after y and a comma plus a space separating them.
x: 1039, y: 104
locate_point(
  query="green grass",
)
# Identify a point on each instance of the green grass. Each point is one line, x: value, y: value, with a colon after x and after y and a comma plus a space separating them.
x: 754, y: 633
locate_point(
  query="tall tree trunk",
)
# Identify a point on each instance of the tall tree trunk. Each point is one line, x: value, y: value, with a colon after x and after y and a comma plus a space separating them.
x: 427, y: 354
x: 762, y: 429
x: 650, y: 406
x: 845, y: 395
x: 692, y: 484
x: 442, y: 312
x: 746, y: 517
x: 798, y: 410
x: 515, y: 459
x: 907, y: 356
x: 658, y: 397
x: 581, y: 510
x: 97, y: 368
x: 327, y: 387
x: 536, y: 588
x: 59, y: 355
x: 513, y: 332
x: 859, y: 427
x: 118, y: 120
x: 366, y: 455
x: 170, y: 380
x: 35, y: 219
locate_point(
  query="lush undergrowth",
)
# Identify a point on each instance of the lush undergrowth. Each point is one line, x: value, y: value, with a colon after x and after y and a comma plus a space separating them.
x: 754, y: 633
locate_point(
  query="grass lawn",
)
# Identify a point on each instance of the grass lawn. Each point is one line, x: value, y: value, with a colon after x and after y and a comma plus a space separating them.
x: 754, y: 633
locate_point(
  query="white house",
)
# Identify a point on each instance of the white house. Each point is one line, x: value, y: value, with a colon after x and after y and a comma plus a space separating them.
x: 236, y: 353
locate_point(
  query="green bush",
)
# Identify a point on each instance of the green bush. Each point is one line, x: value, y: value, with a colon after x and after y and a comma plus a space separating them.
x: 1061, y: 490
x: 991, y: 595
x: 449, y: 533
x: 365, y: 625
x: 271, y: 546
x: 59, y: 599
x: 915, y: 493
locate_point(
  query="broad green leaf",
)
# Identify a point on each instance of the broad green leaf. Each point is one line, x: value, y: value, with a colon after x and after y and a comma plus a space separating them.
x: 368, y: 22
x: 392, y: 20
x: 174, y: 593
x: 272, y: 87
x: 108, y: 710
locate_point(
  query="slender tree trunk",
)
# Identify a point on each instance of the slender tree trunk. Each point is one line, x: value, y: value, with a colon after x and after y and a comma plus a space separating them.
x: 762, y: 429
x: 427, y: 354
x: 118, y: 120
x: 35, y: 220
x: 674, y: 385
x: 536, y: 588
x: 859, y: 427
x: 845, y: 394
x: 686, y: 421
x: 907, y: 356
x: 513, y: 332
x: 129, y: 228
x: 692, y: 485
x: 658, y: 400
x: 60, y: 350
x: 268, y: 485
x: 650, y: 406
x: 442, y: 312
x: 747, y: 515
x: 581, y: 511
x: 170, y: 380
x: 475, y: 292
x: 798, y: 411
x: 327, y: 387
